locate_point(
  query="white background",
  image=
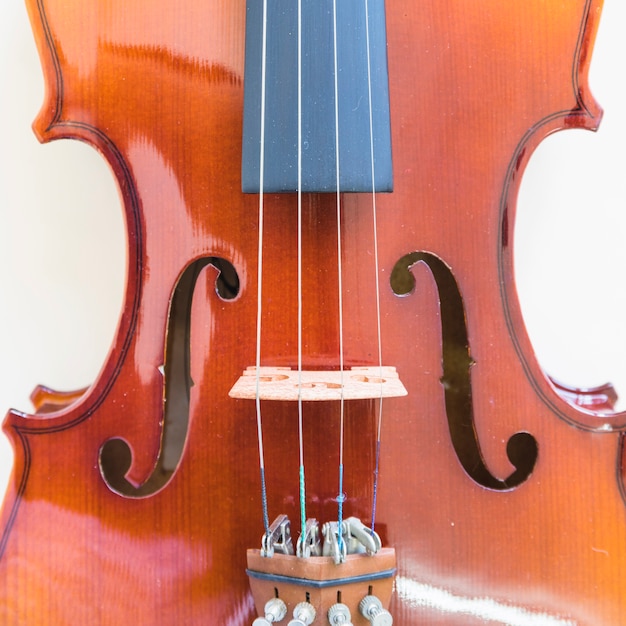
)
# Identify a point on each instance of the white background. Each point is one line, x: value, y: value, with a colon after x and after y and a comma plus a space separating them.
x: 62, y: 244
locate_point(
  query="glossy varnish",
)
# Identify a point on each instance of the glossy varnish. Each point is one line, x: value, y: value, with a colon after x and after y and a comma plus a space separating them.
x: 157, y: 88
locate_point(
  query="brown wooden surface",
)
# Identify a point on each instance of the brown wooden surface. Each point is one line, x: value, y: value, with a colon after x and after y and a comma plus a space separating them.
x: 157, y: 87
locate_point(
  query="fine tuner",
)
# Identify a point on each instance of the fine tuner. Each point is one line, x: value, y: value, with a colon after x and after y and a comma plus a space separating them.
x: 350, y: 536
x: 345, y: 561
x: 338, y: 614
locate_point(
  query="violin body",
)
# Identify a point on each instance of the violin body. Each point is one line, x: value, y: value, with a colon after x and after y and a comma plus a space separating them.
x: 502, y: 497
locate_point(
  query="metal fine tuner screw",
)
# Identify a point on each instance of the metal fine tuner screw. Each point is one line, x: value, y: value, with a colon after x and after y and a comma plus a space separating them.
x: 303, y: 615
x: 339, y: 615
x: 275, y: 611
x: 371, y: 608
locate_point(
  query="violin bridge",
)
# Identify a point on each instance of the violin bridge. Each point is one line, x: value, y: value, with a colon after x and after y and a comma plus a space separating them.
x: 284, y: 383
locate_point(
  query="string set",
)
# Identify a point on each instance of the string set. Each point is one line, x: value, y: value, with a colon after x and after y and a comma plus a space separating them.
x: 302, y: 482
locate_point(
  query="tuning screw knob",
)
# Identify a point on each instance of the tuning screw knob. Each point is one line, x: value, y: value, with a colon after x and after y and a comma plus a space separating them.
x: 275, y: 611
x: 371, y: 608
x: 339, y: 615
x: 303, y: 614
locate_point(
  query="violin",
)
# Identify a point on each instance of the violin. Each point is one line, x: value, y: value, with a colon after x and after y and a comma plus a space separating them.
x: 321, y: 405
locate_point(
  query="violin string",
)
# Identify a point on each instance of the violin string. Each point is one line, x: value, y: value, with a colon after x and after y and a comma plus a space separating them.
x: 340, y: 496
x: 376, y: 269
x: 266, y: 521
x: 300, y: 408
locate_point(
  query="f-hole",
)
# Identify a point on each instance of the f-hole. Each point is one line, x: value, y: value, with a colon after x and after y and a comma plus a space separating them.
x: 115, y: 454
x: 522, y: 447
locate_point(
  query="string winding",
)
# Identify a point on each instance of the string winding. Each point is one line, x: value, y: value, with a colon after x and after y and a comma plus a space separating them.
x: 266, y: 521
x: 376, y: 267
x: 300, y: 408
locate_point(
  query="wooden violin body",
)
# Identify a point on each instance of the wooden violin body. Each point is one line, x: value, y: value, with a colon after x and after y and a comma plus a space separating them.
x: 135, y: 501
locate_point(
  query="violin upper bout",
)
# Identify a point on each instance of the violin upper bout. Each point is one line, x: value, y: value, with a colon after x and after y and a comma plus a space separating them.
x: 47, y: 46
x: 586, y: 45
